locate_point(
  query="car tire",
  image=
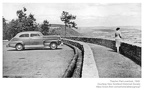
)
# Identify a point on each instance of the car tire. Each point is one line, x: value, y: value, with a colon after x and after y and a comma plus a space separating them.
x: 19, y: 47
x: 53, y: 45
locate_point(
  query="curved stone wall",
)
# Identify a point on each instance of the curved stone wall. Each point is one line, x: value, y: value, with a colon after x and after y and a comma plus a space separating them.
x: 75, y: 68
x: 131, y: 51
x: 85, y: 65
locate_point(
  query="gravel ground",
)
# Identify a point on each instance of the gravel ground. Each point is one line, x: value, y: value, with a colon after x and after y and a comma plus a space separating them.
x: 113, y: 65
x: 36, y: 63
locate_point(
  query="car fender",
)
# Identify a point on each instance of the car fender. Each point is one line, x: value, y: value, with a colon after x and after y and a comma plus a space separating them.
x: 19, y: 42
x: 51, y: 41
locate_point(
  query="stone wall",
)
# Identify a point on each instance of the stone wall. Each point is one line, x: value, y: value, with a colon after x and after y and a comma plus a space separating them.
x: 131, y: 51
x: 74, y: 70
x: 85, y: 65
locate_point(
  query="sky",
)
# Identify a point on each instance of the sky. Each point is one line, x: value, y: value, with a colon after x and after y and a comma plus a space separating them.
x: 87, y: 14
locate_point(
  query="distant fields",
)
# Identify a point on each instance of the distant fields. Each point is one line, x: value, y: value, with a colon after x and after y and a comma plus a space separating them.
x: 129, y: 33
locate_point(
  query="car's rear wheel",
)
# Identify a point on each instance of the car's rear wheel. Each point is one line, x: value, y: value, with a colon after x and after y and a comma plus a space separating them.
x: 19, y: 47
x: 53, y: 45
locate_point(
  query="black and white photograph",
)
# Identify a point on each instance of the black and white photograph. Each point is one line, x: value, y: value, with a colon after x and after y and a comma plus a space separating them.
x: 73, y: 40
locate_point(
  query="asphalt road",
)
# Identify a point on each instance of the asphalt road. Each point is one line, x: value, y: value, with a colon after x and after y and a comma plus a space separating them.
x: 36, y: 63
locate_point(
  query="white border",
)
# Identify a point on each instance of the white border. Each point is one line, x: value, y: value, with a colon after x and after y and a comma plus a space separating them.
x: 60, y: 83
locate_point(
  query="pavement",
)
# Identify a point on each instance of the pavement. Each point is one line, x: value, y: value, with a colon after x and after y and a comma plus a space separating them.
x: 99, y: 62
x: 111, y: 64
x: 36, y: 62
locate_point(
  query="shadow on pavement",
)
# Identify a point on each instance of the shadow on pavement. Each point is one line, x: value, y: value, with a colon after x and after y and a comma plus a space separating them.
x: 29, y: 49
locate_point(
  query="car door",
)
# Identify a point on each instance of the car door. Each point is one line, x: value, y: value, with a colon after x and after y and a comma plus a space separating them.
x: 36, y: 39
x: 25, y: 39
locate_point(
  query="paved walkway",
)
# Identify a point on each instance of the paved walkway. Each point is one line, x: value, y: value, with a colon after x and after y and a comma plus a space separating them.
x: 114, y: 65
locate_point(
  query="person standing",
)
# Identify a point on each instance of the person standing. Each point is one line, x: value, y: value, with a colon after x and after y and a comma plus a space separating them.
x: 118, y: 38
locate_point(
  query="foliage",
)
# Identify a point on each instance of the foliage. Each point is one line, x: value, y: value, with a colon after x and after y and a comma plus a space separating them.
x: 67, y: 19
x: 45, y: 27
x: 4, y: 28
x: 25, y: 22
x: 22, y: 23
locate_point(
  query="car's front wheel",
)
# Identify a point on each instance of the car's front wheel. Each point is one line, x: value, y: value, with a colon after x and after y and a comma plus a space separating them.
x: 53, y: 45
x: 19, y: 47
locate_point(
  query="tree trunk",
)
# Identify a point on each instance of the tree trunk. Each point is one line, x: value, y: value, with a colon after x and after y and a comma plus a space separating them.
x: 65, y: 29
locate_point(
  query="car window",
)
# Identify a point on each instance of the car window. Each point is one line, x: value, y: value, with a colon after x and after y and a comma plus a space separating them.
x: 35, y: 35
x: 24, y: 35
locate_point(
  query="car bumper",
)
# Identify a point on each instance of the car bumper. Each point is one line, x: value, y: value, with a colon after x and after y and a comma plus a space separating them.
x: 62, y: 44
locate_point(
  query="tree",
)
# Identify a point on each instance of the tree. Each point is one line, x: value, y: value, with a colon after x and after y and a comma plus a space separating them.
x: 27, y: 22
x: 24, y: 22
x: 45, y: 27
x: 21, y: 14
x: 4, y: 28
x: 67, y: 19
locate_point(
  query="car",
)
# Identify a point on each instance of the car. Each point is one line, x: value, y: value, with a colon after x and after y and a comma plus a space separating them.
x: 34, y: 39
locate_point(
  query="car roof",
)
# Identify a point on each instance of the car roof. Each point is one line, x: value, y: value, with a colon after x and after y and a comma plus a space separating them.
x: 30, y: 32
x: 26, y: 32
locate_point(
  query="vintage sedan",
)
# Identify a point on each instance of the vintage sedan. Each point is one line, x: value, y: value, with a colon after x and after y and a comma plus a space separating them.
x: 34, y: 39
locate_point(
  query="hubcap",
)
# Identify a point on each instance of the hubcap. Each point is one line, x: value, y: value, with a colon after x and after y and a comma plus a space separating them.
x: 19, y: 47
x: 53, y: 46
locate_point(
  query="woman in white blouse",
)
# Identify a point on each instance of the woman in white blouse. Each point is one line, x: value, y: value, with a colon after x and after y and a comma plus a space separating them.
x: 118, y: 38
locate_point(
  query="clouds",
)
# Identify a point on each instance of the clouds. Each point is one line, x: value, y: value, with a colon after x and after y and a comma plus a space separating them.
x: 88, y: 14
x: 114, y: 15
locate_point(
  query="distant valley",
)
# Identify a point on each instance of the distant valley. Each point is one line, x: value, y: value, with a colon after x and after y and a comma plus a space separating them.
x: 129, y: 33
